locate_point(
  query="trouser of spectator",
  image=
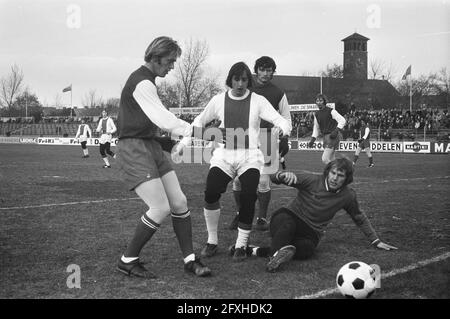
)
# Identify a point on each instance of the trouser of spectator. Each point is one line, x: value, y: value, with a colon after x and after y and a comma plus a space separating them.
x: 106, y: 149
x: 288, y: 229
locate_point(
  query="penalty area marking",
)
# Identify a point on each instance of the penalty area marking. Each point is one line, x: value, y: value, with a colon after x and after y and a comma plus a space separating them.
x: 392, y: 273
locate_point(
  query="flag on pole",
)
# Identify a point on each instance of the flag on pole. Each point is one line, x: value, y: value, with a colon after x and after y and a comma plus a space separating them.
x: 408, y: 72
x: 67, y: 89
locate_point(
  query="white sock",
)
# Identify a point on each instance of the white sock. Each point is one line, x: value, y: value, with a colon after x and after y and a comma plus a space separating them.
x: 189, y: 258
x: 86, y: 152
x: 242, y: 238
x: 128, y: 259
x: 105, y: 159
x: 212, y: 224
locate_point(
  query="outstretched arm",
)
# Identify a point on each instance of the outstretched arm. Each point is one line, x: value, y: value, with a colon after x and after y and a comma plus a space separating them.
x: 287, y: 178
x: 364, y: 224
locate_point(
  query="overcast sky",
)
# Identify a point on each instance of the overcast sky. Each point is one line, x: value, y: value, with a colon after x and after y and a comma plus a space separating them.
x: 96, y: 44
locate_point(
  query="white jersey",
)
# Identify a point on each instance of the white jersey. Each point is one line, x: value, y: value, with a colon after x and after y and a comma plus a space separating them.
x: 107, y: 128
x: 240, y: 113
x: 83, y: 132
x: 249, y: 119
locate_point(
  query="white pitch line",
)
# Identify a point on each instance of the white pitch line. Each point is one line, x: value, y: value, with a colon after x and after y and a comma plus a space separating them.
x: 392, y: 273
x: 276, y: 188
x: 70, y: 203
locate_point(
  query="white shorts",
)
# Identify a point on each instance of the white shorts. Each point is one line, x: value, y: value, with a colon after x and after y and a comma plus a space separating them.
x: 236, y: 162
x: 105, y: 138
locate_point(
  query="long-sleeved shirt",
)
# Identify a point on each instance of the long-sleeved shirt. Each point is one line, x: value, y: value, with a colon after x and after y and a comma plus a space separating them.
x: 326, y: 120
x: 241, y: 113
x: 365, y: 133
x: 107, y: 127
x: 316, y: 204
x: 141, y: 112
x: 83, y: 132
x: 276, y: 97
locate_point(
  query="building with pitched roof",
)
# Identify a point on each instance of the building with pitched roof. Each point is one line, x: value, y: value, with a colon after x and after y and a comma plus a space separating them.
x: 353, y: 90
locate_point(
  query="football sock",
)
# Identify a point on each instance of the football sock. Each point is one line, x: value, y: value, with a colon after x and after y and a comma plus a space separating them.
x: 183, y: 230
x: 264, y: 201
x: 144, y: 231
x: 105, y: 159
x: 212, y: 223
x: 355, y: 158
x: 242, y: 238
x: 85, y: 152
x: 237, y: 199
x: 371, y: 160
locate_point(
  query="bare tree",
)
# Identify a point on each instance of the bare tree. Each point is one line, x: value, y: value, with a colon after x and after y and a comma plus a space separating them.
x: 381, y: 70
x: 91, y: 100
x: 169, y: 93
x: 333, y: 71
x: 195, y: 85
x: 10, y: 87
x: 190, y: 72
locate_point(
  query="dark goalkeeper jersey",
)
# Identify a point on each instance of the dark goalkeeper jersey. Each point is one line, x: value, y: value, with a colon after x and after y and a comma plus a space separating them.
x: 316, y: 206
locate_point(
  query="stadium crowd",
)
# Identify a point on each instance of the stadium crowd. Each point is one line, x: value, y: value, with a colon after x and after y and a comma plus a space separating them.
x: 384, y: 121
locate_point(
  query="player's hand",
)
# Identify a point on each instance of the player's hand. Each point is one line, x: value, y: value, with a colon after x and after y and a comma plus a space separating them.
x: 177, y: 152
x: 288, y: 178
x: 311, y: 142
x: 385, y: 246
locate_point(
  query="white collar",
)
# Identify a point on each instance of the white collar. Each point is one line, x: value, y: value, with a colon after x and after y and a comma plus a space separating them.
x: 231, y: 96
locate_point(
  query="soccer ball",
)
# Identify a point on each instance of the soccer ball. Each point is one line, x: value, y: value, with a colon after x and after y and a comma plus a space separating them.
x: 356, y: 280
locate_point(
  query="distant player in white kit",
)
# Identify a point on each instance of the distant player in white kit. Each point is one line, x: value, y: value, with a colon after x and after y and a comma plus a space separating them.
x: 107, y: 128
x: 84, y: 131
x: 364, y: 143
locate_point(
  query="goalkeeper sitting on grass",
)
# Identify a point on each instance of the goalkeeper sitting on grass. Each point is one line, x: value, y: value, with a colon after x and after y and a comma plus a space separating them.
x: 297, y: 228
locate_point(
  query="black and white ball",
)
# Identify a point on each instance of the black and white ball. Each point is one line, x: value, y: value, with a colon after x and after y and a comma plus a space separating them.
x: 356, y: 280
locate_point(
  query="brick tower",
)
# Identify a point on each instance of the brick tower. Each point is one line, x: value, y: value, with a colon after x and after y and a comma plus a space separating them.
x: 355, y: 57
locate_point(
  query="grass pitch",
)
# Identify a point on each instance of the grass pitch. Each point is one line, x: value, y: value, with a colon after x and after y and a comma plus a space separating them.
x: 57, y: 210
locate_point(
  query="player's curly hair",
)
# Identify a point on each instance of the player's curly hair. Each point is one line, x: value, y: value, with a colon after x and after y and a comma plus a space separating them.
x: 265, y: 62
x: 237, y: 70
x: 341, y: 164
x: 160, y: 47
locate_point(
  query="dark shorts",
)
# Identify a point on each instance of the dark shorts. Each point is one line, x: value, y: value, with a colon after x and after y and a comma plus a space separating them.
x: 329, y: 142
x: 303, y: 230
x: 83, y: 145
x: 141, y: 160
x: 365, y: 144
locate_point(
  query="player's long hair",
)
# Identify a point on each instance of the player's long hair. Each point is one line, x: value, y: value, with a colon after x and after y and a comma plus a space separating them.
x: 160, y: 47
x: 341, y: 164
x: 237, y: 70
x: 324, y: 98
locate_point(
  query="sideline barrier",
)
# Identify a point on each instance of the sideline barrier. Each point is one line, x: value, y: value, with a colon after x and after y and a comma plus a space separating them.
x: 52, y: 141
x: 294, y: 144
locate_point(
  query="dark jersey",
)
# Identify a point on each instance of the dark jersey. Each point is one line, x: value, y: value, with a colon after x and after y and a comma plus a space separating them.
x: 273, y: 94
x: 132, y: 121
